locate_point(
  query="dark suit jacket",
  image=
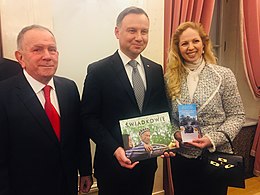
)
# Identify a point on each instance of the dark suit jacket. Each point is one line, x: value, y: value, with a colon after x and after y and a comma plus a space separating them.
x: 9, y: 68
x: 109, y: 97
x: 32, y: 160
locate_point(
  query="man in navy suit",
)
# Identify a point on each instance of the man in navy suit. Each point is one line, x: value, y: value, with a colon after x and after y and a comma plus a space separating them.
x: 9, y: 68
x: 33, y: 159
x: 108, y: 97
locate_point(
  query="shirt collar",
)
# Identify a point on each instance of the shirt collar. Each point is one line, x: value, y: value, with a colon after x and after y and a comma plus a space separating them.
x: 126, y: 59
x: 36, y: 85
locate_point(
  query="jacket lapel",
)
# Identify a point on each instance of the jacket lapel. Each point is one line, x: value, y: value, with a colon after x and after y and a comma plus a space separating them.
x: 149, y: 82
x: 62, y: 99
x: 206, y: 89
x: 31, y: 102
x: 118, y: 67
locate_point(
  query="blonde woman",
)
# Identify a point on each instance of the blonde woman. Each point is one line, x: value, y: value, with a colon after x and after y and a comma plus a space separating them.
x: 192, y: 77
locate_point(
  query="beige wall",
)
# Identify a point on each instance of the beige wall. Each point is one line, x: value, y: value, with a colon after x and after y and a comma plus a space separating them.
x: 16, y: 14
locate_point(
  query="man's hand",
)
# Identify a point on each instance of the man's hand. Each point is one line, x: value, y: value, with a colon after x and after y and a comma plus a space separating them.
x: 170, y: 154
x: 123, y: 160
x: 148, y: 147
x: 85, y: 184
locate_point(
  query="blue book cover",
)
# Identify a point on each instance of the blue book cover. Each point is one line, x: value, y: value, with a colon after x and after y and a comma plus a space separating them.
x: 189, y: 125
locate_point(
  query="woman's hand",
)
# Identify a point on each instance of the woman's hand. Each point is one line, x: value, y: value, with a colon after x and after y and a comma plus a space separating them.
x: 203, y: 142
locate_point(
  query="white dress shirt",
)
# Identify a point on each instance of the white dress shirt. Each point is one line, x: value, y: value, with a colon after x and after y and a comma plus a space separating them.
x: 129, y: 69
x: 38, y: 89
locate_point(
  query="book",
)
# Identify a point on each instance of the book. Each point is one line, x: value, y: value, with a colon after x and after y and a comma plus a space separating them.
x: 189, y: 125
x: 147, y: 136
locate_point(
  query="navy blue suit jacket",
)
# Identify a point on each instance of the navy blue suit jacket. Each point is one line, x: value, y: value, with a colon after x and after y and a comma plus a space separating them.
x: 9, y: 68
x: 32, y: 160
x: 109, y: 97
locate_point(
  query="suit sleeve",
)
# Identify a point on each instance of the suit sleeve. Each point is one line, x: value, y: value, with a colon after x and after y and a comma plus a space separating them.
x: 91, y: 111
x: 233, y: 108
x: 85, y: 160
x: 4, y: 175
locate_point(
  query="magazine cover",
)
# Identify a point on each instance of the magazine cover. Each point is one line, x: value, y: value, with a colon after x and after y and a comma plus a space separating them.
x: 147, y: 136
x: 188, y: 122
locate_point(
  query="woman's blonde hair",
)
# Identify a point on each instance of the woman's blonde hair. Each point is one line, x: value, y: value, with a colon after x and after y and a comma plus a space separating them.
x: 174, y: 67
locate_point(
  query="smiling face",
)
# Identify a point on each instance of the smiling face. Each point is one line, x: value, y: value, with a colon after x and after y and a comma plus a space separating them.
x: 132, y: 34
x: 38, y: 54
x: 145, y: 137
x: 190, y: 45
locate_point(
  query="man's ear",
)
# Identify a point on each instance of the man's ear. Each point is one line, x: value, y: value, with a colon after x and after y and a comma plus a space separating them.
x: 19, y: 58
x: 117, y: 32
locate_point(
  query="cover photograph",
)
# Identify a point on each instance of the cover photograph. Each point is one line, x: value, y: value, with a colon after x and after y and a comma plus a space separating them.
x: 147, y: 136
x: 188, y: 122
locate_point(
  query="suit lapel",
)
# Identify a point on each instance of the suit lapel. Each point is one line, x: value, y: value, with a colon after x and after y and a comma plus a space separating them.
x: 205, y: 91
x: 62, y: 99
x: 32, y: 103
x: 118, y: 67
x: 149, y: 82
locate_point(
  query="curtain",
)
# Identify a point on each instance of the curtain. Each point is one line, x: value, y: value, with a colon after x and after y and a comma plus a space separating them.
x: 250, y: 28
x: 178, y: 11
x: 255, y: 150
x: 250, y: 17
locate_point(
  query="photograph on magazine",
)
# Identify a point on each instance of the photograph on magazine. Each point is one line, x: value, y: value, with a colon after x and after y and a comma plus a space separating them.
x: 147, y: 136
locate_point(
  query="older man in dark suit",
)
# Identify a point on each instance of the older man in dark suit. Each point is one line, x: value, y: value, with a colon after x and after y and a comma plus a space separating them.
x: 42, y: 145
x: 9, y: 68
x: 122, y: 86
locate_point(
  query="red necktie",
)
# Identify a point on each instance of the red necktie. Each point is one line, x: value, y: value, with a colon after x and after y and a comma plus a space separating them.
x: 51, y: 111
